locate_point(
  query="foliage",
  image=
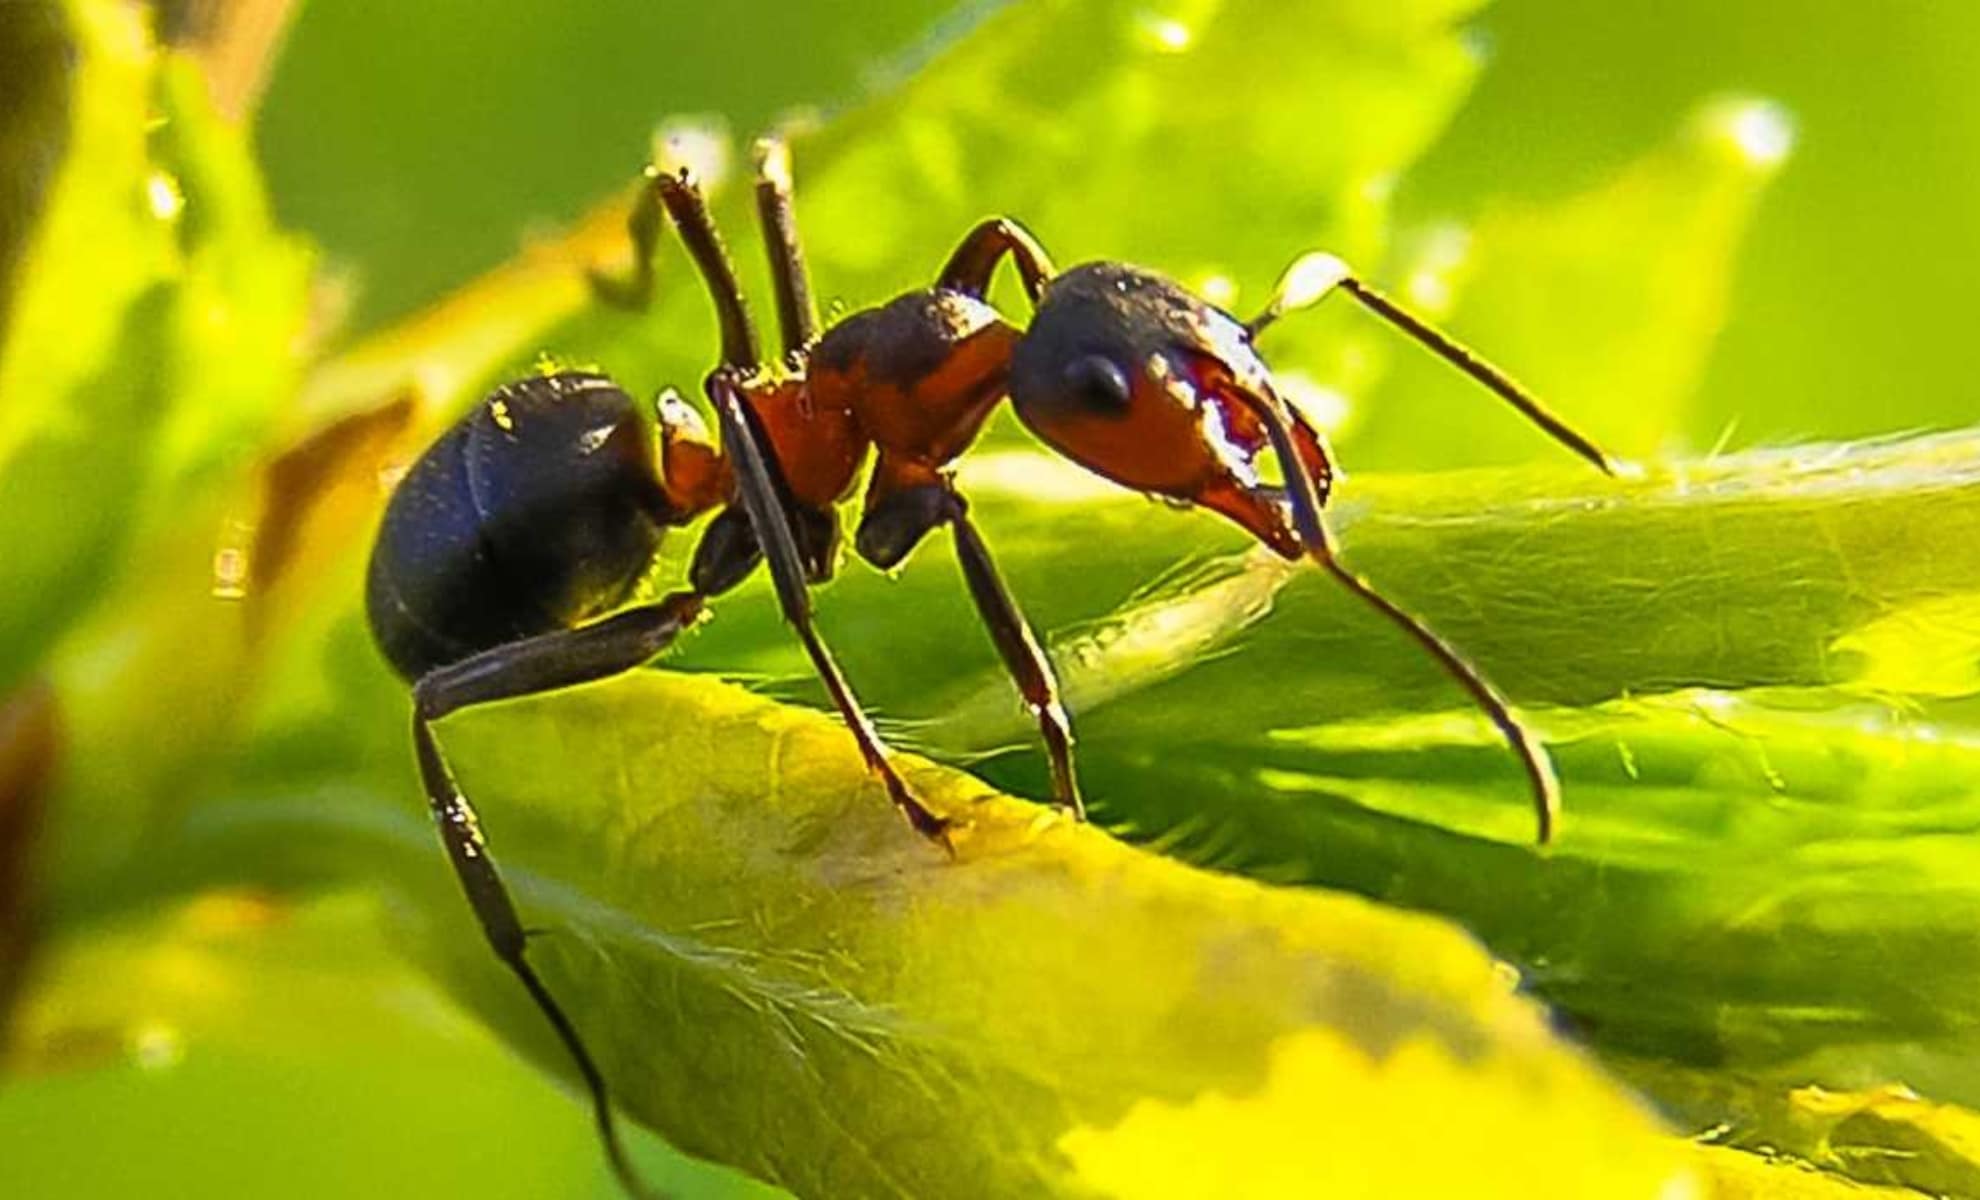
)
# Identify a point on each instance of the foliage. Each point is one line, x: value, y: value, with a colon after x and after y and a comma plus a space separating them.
x: 1755, y: 670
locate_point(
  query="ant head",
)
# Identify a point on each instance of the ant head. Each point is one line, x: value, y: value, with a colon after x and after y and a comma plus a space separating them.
x: 1129, y: 375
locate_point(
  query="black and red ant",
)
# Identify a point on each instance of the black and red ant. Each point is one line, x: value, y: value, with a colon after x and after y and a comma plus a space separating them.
x: 509, y: 550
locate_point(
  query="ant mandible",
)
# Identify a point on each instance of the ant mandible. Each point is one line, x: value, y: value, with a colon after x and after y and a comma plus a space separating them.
x: 509, y: 550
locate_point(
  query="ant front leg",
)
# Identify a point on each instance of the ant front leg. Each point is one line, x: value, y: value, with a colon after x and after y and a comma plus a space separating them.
x: 539, y: 664
x: 892, y: 528
x: 969, y: 269
x: 1308, y: 281
x: 757, y: 486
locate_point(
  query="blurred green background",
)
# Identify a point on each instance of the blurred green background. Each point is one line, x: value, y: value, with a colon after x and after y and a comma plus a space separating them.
x: 1851, y: 286
x: 420, y: 144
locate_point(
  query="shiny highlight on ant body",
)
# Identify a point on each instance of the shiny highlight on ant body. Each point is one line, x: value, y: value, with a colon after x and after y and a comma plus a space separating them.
x: 511, y: 547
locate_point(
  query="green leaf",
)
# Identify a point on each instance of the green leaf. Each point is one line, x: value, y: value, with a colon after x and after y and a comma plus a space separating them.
x: 156, y: 331
x: 1788, y: 864
x: 1887, y: 1135
x: 780, y: 976
x: 1774, y: 568
x: 79, y: 364
x: 1068, y: 114
x: 1775, y: 856
x: 240, y: 343
x: 35, y: 94
x: 291, y: 1019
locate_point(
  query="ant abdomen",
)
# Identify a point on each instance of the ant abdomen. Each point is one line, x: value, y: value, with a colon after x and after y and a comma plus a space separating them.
x: 542, y: 507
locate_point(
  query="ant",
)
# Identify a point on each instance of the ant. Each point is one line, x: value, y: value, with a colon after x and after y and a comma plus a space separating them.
x: 510, y: 549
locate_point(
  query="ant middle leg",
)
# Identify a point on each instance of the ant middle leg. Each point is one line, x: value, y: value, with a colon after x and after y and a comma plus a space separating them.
x: 891, y: 529
x: 759, y: 489
x: 539, y: 664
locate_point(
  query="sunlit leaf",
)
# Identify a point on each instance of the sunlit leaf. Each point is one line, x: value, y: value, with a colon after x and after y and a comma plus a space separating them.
x: 79, y: 365
x: 1887, y: 1135
x: 776, y: 973
x: 1737, y: 1176
x: 156, y: 331
x: 781, y: 976
x: 1782, y: 859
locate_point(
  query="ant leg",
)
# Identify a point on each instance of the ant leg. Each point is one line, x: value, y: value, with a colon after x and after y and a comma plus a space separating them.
x: 969, y: 268
x: 633, y: 290
x: 797, y: 315
x: 1318, y: 539
x: 728, y: 550
x: 1315, y: 276
x: 758, y: 488
x: 609, y: 647
x: 679, y: 196
x: 1546, y: 788
x: 1023, y: 656
x: 892, y: 528
x: 558, y: 659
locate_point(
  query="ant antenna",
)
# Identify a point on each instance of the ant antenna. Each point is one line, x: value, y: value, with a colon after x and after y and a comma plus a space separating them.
x: 1314, y: 276
x: 1320, y: 544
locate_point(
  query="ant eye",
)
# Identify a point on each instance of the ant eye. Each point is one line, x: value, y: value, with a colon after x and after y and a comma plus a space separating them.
x: 1098, y: 382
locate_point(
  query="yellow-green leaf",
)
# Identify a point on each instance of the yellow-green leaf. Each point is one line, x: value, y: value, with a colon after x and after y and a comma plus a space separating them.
x: 779, y: 975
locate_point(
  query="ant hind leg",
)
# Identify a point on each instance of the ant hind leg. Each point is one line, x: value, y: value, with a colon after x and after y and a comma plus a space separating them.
x: 608, y: 647
x: 676, y: 194
x: 633, y: 289
x: 797, y: 313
